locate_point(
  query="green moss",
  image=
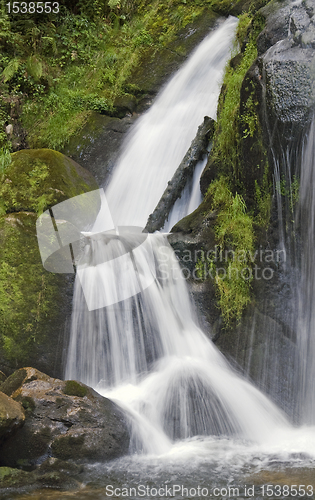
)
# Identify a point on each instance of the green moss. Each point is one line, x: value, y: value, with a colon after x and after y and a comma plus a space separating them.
x: 66, y: 447
x: 10, y: 478
x: 290, y: 191
x: 28, y: 293
x: 239, y: 161
x: 38, y: 179
x: 13, y: 382
x: 227, y: 140
x: 74, y: 388
x: 28, y: 404
x: 235, y: 238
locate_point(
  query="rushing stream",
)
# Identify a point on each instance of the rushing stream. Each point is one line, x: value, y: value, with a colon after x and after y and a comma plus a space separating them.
x: 194, y: 420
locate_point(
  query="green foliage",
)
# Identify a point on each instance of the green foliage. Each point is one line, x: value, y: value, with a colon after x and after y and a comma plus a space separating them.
x: 235, y: 236
x: 63, y: 67
x: 27, y: 291
x: 227, y: 140
x: 5, y: 160
x: 289, y: 190
x: 263, y: 196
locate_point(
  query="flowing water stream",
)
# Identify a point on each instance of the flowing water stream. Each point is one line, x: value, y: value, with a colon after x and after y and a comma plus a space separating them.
x: 193, y: 418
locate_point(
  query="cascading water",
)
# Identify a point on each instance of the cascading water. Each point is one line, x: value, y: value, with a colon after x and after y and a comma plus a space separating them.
x: 147, y: 352
x: 306, y: 317
x: 190, y: 198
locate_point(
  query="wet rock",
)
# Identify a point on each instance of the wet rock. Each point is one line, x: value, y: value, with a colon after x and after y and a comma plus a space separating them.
x: 260, y: 348
x: 125, y: 104
x: 81, y: 425
x: 96, y: 147
x: 277, y: 16
x: 14, y: 478
x: 193, y: 239
x: 11, y: 416
x: 286, y: 69
x: 183, y: 173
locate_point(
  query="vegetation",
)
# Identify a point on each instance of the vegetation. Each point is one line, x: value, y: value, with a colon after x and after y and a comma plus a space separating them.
x: 235, y: 237
x: 228, y: 138
x: 237, y: 138
x: 73, y: 388
x: 58, y: 68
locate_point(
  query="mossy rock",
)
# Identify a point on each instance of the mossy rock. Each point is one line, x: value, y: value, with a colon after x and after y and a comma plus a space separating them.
x: 74, y: 388
x: 12, y: 383
x: 30, y: 297
x: 37, y: 179
x: 34, y: 304
x: 14, y: 478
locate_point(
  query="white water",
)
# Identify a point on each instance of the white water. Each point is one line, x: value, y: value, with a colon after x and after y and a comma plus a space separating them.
x: 306, y: 309
x: 151, y: 155
x: 147, y: 352
x: 190, y: 198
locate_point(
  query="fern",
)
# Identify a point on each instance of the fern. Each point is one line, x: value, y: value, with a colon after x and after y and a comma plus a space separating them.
x: 34, y: 67
x: 11, y: 69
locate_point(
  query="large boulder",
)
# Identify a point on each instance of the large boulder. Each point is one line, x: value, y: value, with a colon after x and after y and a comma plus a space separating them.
x: 286, y: 67
x: 11, y: 416
x: 64, y: 420
x: 35, y: 305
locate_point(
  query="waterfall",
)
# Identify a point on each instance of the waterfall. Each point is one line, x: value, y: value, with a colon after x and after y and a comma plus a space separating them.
x: 190, y: 198
x: 134, y: 335
x: 160, y: 139
x: 306, y: 310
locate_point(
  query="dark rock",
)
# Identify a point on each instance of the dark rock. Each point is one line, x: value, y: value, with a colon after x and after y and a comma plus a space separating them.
x: 277, y: 16
x: 83, y: 427
x: 260, y: 348
x: 14, y: 478
x: 2, y: 377
x: 53, y: 473
x: 183, y: 173
x: 125, y: 104
x: 11, y: 416
x: 96, y: 147
x: 286, y: 70
x: 193, y: 239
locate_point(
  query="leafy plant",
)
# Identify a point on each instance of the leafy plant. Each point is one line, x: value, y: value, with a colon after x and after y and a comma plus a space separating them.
x: 235, y: 237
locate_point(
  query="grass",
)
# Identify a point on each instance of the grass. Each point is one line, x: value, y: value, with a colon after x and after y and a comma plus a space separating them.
x: 235, y: 236
x: 61, y: 72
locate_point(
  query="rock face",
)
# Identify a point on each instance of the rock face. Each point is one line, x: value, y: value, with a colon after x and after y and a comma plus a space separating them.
x: 11, y: 416
x: 34, y: 304
x: 287, y: 65
x: 64, y: 420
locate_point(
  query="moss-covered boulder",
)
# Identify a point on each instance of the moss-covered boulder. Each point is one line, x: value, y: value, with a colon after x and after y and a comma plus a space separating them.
x: 37, y: 179
x: 11, y: 416
x: 65, y: 420
x: 35, y: 305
